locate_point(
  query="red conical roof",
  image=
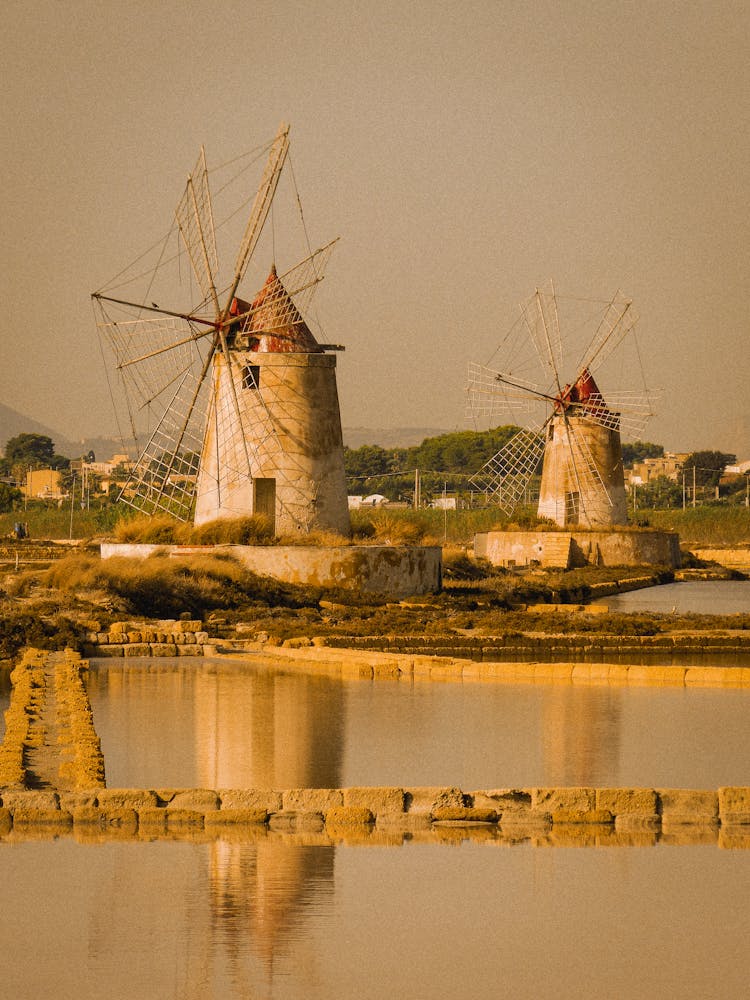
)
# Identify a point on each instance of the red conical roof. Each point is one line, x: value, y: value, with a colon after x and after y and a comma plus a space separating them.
x: 275, y: 324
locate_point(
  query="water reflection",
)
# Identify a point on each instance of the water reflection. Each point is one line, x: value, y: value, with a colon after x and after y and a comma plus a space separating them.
x: 259, y: 895
x: 148, y: 920
x: 214, y: 726
x: 211, y: 725
x: 240, y: 725
x: 705, y: 597
x: 580, y: 735
x: 271, y: 731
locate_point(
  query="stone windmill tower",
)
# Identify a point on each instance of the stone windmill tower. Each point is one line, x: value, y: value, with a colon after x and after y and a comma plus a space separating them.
x: 249, y: 416
x: 578, y: 443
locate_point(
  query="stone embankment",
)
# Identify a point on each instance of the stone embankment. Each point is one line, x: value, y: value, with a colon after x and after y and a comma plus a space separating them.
x: 315, y: 656
x: 737, y: 559
x: 50, y: 740
x: 158, y: 638
x: 52, y: 784
x: 658, y: 650
x: 582, y: 816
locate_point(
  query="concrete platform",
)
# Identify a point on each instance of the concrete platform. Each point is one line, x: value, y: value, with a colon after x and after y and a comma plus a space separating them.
x: 568, y: 549
x: 400, y: 571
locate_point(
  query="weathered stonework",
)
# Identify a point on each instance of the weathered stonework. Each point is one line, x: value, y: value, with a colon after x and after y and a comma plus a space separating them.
x: 569, y: 548
x: 398, y: 570
x: 545, y: 816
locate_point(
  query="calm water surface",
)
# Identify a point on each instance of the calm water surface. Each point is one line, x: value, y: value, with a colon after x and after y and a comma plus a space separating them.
x: 280, y: 919
x: 239, y: 725
x: 706, y: 597
x: 277, y: 920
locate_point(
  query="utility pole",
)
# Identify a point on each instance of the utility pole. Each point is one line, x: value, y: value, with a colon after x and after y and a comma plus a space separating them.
x: 72, y: 497
x: 693, y: 485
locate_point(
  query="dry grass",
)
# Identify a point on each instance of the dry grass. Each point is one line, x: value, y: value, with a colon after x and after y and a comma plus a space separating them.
x: 164, y: 587
x: 156, y: 530
x: 253, y: 530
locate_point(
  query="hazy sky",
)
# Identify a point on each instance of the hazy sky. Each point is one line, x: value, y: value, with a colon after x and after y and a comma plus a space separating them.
x: 464, y: 152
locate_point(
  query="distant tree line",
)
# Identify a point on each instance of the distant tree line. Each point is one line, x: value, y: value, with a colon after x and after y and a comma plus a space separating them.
x: 443, y: 462
x: 24, y: 453
x: 448, y: 461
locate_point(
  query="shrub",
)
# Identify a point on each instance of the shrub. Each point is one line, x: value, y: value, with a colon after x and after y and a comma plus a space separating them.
x: 26, y: 628
x: 252, y: 530
x: 154, y: 530
x: 164, y: 587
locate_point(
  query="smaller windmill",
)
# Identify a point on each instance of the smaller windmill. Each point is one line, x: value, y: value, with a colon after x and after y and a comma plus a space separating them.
x: 241, y: 397
x: 575, y: 436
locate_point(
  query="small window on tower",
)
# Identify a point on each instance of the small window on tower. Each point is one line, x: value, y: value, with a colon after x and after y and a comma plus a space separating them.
x: 251, y: 377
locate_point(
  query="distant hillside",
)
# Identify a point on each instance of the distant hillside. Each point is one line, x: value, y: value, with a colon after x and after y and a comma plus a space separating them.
x: 391, y: 437
x: 13, y: 423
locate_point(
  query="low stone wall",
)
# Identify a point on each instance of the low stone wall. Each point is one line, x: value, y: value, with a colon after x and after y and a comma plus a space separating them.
x: 159, y: 638
x: 398, y: 570
x: 513, y: 660
x: 543, y: 815
x: 609, y: 547
x: 738, y: 559
x: 49, y: 729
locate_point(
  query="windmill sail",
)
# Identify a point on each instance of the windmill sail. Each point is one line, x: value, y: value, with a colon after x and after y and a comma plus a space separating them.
x: 582, y: 477
x: 246, y: 407
x: 195, y: 221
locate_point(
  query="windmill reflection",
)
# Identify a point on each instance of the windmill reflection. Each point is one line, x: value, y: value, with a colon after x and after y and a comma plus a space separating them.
x: 581, y: 735
x: 274, y: 731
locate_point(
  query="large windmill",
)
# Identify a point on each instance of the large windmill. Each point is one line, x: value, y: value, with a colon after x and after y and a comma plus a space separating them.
x: 241, y: 396
x: 574, y: 430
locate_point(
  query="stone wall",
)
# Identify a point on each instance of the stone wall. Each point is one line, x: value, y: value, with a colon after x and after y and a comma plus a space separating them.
x: 398, y: 570
x: 158, y: 638
x: 566, y: 549
x: 738, y: 558
x: 584, y: 815
x: 526, y: 659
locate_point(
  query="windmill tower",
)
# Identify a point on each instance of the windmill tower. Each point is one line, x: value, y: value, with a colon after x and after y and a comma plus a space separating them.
x: 576, y: 439
x: 244, y: 396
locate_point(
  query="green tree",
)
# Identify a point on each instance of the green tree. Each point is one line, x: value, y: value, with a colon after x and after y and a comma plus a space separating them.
x: 8, y: 497
x: 34, y: 451
x: 708, y: 465
x: 636, y: 451
x: 660, y: 493
x: 368, y: 460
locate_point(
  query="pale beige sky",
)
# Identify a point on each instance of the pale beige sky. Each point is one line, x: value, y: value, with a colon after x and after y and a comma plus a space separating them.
x: 465, y: 153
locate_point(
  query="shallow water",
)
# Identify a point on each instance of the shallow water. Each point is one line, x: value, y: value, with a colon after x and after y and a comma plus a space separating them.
x: 705, y: 597
x: 234, y: 725
x: 281, y: 921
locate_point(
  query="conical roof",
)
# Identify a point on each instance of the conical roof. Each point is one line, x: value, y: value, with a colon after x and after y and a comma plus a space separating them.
x: 275, y: 324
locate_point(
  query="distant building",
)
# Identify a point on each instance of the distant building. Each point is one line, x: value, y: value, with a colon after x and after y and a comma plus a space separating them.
x: 43, y: 484
x: 670, y: 466
x: 739, y: 469
x: 112, y: 473
x: 445, y: 503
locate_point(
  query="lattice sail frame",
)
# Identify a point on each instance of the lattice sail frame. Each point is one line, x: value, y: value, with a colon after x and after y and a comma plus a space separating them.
x: 505, y: 477
x: 164, y: 477
x: 165, y: 364
x: 494, y: 394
